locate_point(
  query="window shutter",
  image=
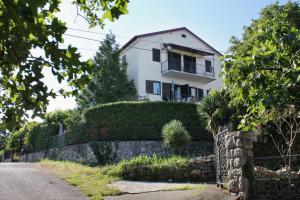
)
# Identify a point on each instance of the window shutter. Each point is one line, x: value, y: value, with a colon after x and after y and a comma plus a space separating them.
x: 156, y: 55
x: 149, y: 87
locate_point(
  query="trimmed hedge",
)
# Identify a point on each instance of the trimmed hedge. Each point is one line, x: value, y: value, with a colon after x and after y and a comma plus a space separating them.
x: 141, y: 120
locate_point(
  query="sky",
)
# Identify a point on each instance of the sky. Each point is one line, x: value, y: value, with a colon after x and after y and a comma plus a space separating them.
x: 215, y: 21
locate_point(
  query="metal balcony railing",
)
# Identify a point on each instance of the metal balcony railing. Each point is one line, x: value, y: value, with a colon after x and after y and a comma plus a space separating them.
x: 187, y: 67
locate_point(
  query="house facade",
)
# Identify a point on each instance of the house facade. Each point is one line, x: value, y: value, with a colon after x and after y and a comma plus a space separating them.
x: 172, y: 65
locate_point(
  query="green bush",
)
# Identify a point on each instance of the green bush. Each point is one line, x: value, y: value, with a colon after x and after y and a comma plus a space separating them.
x: 141, y: 120
x: 36, y: 134
x: 1, y: 154
x: 54, y: 119
x: 175, y: 136
x: 16, y: 140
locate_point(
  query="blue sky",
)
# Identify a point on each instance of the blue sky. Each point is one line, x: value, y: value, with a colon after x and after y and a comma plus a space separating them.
x: 215, y: 21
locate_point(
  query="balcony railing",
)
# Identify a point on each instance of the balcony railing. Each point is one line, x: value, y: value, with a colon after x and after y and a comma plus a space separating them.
x: 187, y: 67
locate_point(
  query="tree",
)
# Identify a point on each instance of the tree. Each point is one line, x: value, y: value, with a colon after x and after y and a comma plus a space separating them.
x: 110, y: 82
x: 175, y: 135
x: 3, y: 138
x: 29, y: 25
x: 262, y: 70
x: 216, y: 111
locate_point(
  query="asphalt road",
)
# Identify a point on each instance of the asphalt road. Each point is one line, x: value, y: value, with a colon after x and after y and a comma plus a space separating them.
x: 24, y: 181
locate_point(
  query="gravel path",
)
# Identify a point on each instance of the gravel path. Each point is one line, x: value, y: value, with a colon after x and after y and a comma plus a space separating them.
x: 138, y: 190
x: 162, y: 195
x: 24, y: 181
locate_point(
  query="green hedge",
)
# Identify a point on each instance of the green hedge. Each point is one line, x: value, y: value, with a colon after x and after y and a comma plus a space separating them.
x: 141, y: 120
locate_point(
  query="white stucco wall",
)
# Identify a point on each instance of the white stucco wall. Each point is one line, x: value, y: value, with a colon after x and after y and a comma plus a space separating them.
x: 142, y: 68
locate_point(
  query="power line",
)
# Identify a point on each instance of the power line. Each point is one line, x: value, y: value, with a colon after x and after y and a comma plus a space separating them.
x: 95, y: 40
x: 94, y: 32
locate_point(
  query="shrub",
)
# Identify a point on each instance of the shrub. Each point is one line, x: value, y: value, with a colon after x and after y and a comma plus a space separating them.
x: 141, y: 120
x: 75, y: 132
x: 175, y: 136
x: 54, y: 119
x: 1, y: 154
x: 36, y: 134
x: 16, y: 140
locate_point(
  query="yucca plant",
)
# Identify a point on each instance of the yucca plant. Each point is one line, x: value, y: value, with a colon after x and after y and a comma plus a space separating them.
x: 175, y: 135
x: 216, y: 111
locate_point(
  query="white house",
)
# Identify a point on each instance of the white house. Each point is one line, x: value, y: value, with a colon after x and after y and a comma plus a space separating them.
x: 172, y: 65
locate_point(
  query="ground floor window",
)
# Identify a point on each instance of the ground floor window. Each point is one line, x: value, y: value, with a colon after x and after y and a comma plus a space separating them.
x: 176, y: 92
x: 193, y: 92
x: 153, y: 87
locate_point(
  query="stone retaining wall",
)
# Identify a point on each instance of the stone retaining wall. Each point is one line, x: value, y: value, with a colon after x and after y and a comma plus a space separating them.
x: 271, y: 185
x: 196, y: 169
x: 114, y: 151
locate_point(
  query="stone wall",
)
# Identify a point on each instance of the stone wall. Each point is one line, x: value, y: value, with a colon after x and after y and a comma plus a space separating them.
x: 240, y: 163
x: 271, y: 185
x: 196, y: 169
x: 114, y: 151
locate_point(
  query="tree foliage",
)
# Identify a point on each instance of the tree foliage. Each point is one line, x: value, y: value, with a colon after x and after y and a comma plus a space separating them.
x: 3, y: 137
x: 110, y: 82
x: 217, y: 112
x: 262, y: 69
x: 30, y: 26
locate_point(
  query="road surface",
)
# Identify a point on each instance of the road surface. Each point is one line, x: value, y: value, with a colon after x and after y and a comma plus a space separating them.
x: 25, y: 181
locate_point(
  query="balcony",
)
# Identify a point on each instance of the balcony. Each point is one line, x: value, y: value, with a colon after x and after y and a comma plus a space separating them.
x: 188, y: 70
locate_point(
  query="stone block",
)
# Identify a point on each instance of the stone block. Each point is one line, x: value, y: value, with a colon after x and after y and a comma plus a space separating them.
x: 239, y: 152
x: 230, y: 144
x: 237, y: 163
x: 243, y: 184
x: 234, y: 173
x: 232, y: 186
x: 196, y: 172
x: 243, y: 195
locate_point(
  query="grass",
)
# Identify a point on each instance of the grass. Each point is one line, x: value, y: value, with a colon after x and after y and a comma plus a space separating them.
x: 92, y: 181
x: 156, y: 161
x: 190, y: 187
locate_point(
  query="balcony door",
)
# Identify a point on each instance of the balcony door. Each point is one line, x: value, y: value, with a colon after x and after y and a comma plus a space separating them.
x: 174, y: 61
x: 189, y: 64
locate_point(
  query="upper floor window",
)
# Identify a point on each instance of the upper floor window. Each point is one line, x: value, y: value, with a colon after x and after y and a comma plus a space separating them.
x: 153, y: 87
x: 208, y: 66
x: 124, y: 59
x: 156, y: 55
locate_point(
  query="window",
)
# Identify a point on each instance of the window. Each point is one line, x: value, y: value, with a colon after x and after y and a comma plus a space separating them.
x: 156, y: 88
x: 208, y: 66
x: 124, y: 59
x: 200, y: 94
x: 174, y: 61
x: 193, y: 92
x: 183, y: 35
x: 156, y: 55
x: 189, y: 64
x: 178, y: 93
x: 153, y: 87
x: 207, y: 91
